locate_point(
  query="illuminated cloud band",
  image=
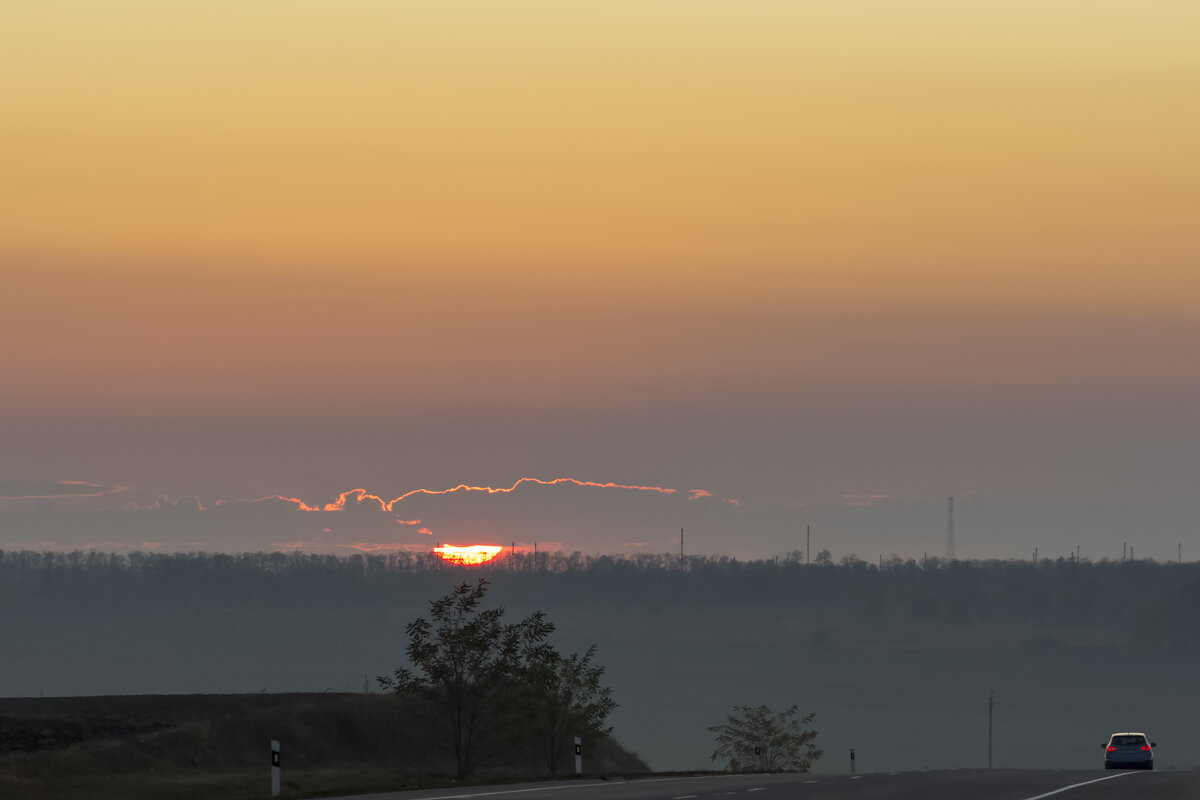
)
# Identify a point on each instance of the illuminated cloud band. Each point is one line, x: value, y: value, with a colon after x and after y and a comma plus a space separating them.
x: 357, y: 496
x: 355, y: 520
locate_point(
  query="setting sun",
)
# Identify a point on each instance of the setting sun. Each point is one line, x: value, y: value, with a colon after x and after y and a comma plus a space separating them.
x: 470, y: 555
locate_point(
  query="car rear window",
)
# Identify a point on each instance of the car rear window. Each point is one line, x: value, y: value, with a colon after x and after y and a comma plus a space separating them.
x: 1136, y: 741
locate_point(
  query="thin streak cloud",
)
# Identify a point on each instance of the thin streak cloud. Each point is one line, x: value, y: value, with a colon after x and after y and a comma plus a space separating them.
x: 701, y: 494
x: 53, y: 490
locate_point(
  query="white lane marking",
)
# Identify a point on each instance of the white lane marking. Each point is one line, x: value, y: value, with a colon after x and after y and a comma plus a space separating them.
x: 856, y: 777
x: 812, y: 781
x: 893, y: 773
x: 1077, y: 785
x: 757, y: 789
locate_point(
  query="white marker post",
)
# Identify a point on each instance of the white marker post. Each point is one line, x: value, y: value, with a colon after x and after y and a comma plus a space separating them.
x: 578, y: 756
x: 274, y: 768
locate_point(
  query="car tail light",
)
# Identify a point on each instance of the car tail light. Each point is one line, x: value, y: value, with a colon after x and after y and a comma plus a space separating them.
x: 1111, y: 748
x: 1145, y: 747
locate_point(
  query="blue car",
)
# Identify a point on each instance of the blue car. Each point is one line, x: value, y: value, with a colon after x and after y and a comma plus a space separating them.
x: 1129, y: 750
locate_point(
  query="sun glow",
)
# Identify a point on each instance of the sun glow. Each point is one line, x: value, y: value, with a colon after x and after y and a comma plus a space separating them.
x: 470, y: 555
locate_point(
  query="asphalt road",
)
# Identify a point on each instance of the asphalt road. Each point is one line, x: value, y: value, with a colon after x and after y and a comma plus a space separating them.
x: 932, y: 785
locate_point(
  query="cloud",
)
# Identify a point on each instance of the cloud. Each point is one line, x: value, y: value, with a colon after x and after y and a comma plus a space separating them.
x: 52, y: 490
x: 573, y: 514
x: 703, y: 494
x: 185, y: 503
x: 325, y: 546
x: 271, y: 501
x: 357, y: 499
x: 349, y: 500
x: 864, y: 499
x: 462, y: 487
x: 383, y: 547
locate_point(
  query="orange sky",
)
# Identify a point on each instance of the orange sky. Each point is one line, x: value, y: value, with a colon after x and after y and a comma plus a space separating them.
x: 259, y: 210
x: 1019, y: 149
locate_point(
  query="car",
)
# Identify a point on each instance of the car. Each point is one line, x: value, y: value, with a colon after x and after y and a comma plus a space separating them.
x: 1129, y: 749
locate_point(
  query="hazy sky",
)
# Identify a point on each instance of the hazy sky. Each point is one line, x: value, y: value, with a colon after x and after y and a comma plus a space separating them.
x: 834, y: 261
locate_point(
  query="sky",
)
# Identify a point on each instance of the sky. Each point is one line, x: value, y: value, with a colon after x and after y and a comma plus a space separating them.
x: 614, y: 268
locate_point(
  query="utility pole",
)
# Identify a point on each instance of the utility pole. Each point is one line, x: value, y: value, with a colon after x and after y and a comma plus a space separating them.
x: 950, y: 530
x: 807, y: 544
x: 681, y: 544
x: 991, y: 703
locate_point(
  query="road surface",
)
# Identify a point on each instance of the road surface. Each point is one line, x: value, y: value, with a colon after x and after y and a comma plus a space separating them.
x: 931, y: 785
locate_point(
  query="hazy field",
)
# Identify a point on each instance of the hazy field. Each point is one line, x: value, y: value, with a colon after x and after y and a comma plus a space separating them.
x: 903, y: 696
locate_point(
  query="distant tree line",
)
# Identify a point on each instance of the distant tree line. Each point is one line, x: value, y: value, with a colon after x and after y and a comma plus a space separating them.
x: 1154, y: 600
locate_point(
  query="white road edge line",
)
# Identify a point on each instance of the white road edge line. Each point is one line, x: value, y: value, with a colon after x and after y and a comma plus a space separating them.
x: 1077, y: 785
x: 461, y: 796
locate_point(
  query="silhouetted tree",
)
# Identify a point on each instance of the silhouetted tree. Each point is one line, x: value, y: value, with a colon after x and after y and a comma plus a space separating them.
x: 566, y: 699
x: 467, y: 665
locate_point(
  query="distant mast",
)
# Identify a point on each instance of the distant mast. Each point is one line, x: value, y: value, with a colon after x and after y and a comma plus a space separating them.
x: 950, y: 530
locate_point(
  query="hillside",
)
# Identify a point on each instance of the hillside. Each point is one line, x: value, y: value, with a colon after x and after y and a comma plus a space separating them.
x: 201, y: 746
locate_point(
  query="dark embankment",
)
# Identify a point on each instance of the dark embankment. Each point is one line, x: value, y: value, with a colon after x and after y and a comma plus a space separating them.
x: 203, y: 746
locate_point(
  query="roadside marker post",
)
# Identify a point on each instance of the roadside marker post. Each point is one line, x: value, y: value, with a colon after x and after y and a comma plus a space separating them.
x: 578, y: 756
x: 851, y: 760
x: 274, y: 768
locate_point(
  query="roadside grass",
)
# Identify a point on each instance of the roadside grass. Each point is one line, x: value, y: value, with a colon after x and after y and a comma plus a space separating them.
x: 194, y: 747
